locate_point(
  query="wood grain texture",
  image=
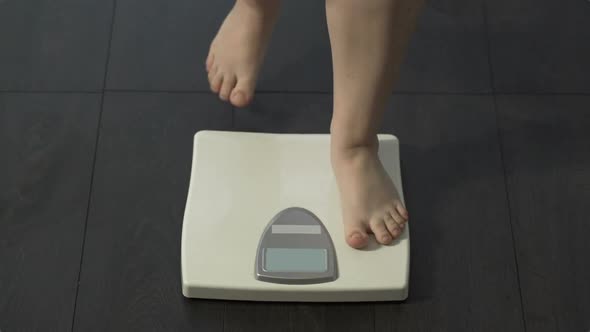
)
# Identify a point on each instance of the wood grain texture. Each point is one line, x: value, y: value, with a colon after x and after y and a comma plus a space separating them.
x: 539, y: 45
x: 462, y: 269
x: 546, y: 142
x: 130, y: 279
x: 448, y: 51
x: 54, y: 45
x: 256, y: 316
x: 47, y: 146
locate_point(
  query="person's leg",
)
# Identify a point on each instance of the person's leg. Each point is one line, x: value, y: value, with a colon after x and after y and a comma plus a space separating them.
x: 368, y: 39
x: 236, y: 53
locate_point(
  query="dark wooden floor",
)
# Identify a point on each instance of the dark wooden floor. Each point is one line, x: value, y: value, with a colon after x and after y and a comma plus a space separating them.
x: 99, y: 101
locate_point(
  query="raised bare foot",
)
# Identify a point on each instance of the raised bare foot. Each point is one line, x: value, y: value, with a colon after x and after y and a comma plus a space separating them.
x: 370, y: 202
x: 236, y: 53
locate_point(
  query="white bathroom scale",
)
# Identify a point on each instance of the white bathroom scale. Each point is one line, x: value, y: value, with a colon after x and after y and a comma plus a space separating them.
x: 263, y: 223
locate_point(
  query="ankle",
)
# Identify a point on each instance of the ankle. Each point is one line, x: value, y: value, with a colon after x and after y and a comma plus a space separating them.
x: 344, y: 139
x: 263, y: 7
x: 353, y: 152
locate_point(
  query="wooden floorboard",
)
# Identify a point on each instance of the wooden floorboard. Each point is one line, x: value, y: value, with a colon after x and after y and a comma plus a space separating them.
x: 47, y: 144
x: 539, y: 45
x: 54, y: 45
x: 546, y: 141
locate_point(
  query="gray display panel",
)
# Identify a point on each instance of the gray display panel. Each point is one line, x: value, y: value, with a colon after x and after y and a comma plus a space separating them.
x: 295, y: 260
x: 296, y: 248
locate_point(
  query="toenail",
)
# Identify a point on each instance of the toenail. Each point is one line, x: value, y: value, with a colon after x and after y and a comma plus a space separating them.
x: 357, y: 236
x: 385, y: 238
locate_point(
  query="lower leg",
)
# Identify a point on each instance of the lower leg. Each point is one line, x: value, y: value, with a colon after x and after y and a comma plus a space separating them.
x: 368, y: 40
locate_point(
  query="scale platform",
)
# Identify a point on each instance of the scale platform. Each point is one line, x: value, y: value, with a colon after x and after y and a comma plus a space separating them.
x: 263, y: 223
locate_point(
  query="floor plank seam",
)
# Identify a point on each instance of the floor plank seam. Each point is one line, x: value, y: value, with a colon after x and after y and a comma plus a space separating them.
x: 507, y: 194
x: 303, y: 92
x: 93, y: 167
x: 502, y: 160
x: 52, y: 91
x: 533, y: 94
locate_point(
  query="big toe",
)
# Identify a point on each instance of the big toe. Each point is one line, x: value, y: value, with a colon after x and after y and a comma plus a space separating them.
x: 228, y: 84
x: 356, y: 236
x: 242, y: 94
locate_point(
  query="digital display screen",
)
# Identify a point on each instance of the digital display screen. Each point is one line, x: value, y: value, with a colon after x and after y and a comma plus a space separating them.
x: 295, y: 260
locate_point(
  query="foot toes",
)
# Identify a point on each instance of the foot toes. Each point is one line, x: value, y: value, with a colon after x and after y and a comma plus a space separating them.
x: 210, y: 77
x: 212, y: 73
x: 242, y: 94
x: 399, y: 207
x: 215, y: 83
x: 392, y: 226
x: 209, y: 62
x: 355, y: 235
x: 381, y: 232
x: 229, y: 81
x: 399, y: 219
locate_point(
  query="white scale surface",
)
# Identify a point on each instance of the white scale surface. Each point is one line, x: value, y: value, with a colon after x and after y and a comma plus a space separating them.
x: 240, y: 181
